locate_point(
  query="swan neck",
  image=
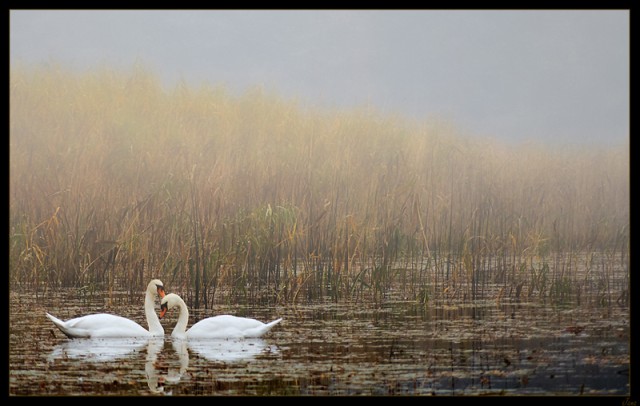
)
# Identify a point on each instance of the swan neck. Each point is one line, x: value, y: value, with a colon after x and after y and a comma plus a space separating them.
x: 181, y: 326
x: 155, y: 328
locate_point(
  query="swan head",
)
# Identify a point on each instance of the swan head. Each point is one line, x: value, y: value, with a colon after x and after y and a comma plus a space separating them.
x: 169, y: 301
x: 156, y: 285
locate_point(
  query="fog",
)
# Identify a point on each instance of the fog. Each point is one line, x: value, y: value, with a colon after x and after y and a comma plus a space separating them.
x: 553, y: 76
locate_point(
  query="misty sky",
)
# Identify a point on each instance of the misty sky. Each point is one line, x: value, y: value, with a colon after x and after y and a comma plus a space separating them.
x: 555, y: 76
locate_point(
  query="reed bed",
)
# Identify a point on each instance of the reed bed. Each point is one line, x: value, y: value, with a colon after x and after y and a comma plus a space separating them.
x: 115, y: 180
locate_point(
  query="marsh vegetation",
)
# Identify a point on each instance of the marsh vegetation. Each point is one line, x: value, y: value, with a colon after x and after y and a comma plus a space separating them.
x: 114, y: 180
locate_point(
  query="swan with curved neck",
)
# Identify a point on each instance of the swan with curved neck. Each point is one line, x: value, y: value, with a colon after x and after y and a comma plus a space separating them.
x: 224, y: 326
x: 103, y: 325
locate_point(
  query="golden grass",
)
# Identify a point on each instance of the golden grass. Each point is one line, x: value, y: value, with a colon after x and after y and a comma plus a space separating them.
x: 115, y: 180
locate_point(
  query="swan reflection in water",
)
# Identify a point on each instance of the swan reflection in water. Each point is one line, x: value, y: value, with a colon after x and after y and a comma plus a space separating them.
x: 220, y: 350
x: 98, y: 349
x: 229, y: 350
x: 153, y: 379
x: 103, y: 350
x: 112, y: 349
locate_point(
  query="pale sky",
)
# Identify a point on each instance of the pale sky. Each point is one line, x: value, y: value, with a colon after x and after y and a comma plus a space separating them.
x: 556, y: 76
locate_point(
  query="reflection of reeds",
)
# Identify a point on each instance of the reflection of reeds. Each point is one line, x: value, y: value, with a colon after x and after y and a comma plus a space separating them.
x: 113, y: 181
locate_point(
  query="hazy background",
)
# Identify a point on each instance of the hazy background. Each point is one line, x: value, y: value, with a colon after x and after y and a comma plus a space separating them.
x: 554, y: 76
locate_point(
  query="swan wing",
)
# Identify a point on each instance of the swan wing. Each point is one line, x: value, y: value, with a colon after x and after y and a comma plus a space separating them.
x: 227, y: 326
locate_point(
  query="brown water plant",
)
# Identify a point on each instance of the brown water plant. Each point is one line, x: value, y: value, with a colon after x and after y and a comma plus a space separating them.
x: 115, y: 179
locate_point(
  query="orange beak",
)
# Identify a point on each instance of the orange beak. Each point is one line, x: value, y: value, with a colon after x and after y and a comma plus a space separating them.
x: 161, y: 291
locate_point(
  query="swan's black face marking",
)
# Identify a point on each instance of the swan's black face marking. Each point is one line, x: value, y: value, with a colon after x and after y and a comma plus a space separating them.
x: 163, y: 309
x: 161, y: 291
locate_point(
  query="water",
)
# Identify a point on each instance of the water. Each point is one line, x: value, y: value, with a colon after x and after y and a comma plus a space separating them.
x: 394, y: 348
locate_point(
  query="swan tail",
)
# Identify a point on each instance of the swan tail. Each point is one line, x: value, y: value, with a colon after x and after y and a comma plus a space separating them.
x: 273, y: 323
x: 59, y: 323
x: 260, y: 331
x: 69, y: 332
x: 270, y: 325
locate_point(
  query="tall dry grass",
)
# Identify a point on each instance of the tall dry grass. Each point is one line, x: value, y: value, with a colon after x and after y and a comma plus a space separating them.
x: 114, y: 180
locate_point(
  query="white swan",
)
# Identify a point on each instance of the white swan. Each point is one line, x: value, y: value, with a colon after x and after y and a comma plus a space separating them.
x: 224, y: 326
x: 105, y: 325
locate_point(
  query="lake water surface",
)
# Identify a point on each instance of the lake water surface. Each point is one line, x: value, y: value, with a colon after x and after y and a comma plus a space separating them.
x: 394, y: 348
